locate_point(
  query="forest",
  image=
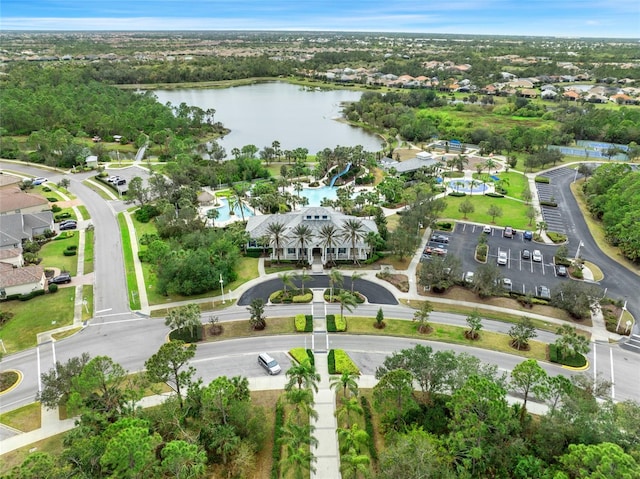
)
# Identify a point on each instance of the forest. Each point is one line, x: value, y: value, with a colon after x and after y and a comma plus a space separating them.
x: 613, y: 196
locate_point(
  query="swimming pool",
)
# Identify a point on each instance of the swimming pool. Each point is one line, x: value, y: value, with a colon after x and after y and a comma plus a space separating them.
x: 464, y: 186
x: 316, y: 195
x: 224, y: 214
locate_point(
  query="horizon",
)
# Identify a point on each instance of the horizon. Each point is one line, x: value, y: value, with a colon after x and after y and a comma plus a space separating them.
x: 614, y: 19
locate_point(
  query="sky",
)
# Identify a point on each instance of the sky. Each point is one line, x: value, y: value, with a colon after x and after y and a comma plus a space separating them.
x: 560, y: 18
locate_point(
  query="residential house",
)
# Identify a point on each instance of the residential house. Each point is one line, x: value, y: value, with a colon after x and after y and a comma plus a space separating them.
x: 316, y: 248
x: 571, y: 95
x: 9, y: 181
x: 623, y: 99
x: 14, y: 200
x: 12, y: 256
x: 25, y: 280
x: 17, y: 228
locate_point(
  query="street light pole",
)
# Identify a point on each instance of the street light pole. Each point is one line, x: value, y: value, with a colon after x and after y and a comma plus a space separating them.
x: 624, y: 308
x: 222, y: 288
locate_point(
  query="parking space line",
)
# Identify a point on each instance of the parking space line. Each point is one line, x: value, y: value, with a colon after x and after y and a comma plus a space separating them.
x: 613, y: 382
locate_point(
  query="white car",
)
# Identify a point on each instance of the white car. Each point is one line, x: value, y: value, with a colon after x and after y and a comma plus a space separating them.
x: 503, y: 258
x: 487, y: 229
x: 536, y: 256
x: 39, y: 181
x: 468, y: 277
x: 507, y: 284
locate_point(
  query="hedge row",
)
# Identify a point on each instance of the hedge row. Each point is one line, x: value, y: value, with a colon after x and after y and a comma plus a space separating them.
x: 304, y: 323
x: 276, y: 453
x: 368, y: 425
x: 303, y: 298
x: 331, y: 361
x: 542, y: 179
x: 556, y: 237
x: 552, y: 204
x: 184, y: 334
x: 342, y: 363
x: 457, y: 194
x: 335, y: 325
x: 24, y: 297
x: 494, y: 195
x: 574, y: 361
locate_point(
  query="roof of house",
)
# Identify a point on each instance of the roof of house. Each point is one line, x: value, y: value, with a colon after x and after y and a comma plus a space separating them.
x: 13, y: 198
x: 315, y: 217
x: 18, y: 226
x: 10, y: 253
x: 8, y: 179
x: 43, y: 219
x: 10, y: 276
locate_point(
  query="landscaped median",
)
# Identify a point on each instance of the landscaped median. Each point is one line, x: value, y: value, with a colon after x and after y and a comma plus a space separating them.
x: 129, y: 268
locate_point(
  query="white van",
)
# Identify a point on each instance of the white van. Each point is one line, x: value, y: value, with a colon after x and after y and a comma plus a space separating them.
x: 270, y: 364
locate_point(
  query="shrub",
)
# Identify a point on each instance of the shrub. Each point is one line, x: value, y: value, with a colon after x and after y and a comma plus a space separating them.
x: 341, y: 323
x: 542, y: 179
x: 146, y: 213
x: 331, y: 362
x: 556, y: 237
x: 368, y: 425
x: 72, y: 247
x: 32, y: 294
x: 46, y: 189
x: 276, y: 296
x: 574, y: 361
x: 457, y: 194
x: 68, y: 252
x: 552, y: 204
x: 52, y: 199
x: 253, y: 253
x: 62, y: 216
x: 303, y: 298
x: 343, y: 363
x: 5, y: 316
x: 335, y: 325
x: 311, y: 357
x: 53, y: 288
x: 184, y: 334
x: 299, y: 354
x: 444, y: 226
x: 299, y: 322
x: 494, y: 195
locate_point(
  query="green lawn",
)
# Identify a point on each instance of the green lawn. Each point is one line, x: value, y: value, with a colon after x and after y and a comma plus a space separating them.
x: 87, y: 295
x: 92, y: 185
x: 88, y: 251
x: 513, y: 212
x: 84, y: 212
x: 37, y: 315
x: 132, y: 284
x: 515, y: 182
x: 53, y: 257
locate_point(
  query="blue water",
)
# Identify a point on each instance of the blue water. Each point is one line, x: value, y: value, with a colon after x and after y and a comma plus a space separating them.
x: 316, y: 195
x: 464, y: 186
x: 224, y: 211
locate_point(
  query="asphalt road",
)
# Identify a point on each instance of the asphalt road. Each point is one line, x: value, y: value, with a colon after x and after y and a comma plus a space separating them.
x: 130, y: 339
x: 373, y: 292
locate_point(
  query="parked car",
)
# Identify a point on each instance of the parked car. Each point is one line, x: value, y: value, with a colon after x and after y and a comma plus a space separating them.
x: 526, y: 254
x: 528, y: 235
x: 561, y: 270
x: 536, y: 256
x: 38, y: 181
x: 68, y: 225
x: 121, y: 182
x: 507, y: 284
x: 543, y: 292
x: 440, y: 238
x: 503, y: 258
x: 486, y: 229
x: 113, y: 179
x: 62, y: 278
x: 468, y: 277
x: 508, y: 232
x: 270, y: 364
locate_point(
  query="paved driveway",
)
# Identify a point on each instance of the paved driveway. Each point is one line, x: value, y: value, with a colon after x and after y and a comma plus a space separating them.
x: 373, y: 292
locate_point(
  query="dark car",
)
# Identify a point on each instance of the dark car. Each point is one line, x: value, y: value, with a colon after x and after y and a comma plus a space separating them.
x: 62, y: 278
x: 543, y: 292
x: 68, y: 225
x: 526, y: 254
x: 440, y: 239
x: 528, y: 235
x: 561, y: 270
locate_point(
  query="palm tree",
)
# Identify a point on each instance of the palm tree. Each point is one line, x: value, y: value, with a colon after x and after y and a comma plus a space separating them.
x: 302, y: 402
x: 542, y: 226
x: 239, y: 191
x: 472, y: 185
x: 353, y: 231
x: 303, y: 276
x: 490, y: 164
x: 335, y: 278
x: 302, y: 233
x: 349, y: 406
x: 212, y: 215
x: 347, y: 381
x: 346, y: 300
x: 355, y: 276
x: 352, y: 438
x: 276, y: 232
x: 303, y: 374
x: 299, y: 459
x: 329, y: 235
x: 287, y: 281
x: 354, y: 465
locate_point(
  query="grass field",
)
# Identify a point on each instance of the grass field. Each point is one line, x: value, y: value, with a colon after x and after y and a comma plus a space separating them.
x: 87, y: 295
x: 26, y: 418
x: 37, y: 315
x: 88, y: 251
x: 132, y: 284
x: 513, y: 212
x: 53, y: 257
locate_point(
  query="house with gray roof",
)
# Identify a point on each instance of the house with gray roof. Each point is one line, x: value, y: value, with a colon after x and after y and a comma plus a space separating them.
x: 19, y: 227
x: 316, y: 248
x: 421, y: 160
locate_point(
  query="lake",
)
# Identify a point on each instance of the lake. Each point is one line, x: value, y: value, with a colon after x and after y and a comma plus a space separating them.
x: 260, y: 114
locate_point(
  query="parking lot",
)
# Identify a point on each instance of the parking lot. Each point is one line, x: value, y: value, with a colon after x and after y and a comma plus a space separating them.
x: 525, y: 274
